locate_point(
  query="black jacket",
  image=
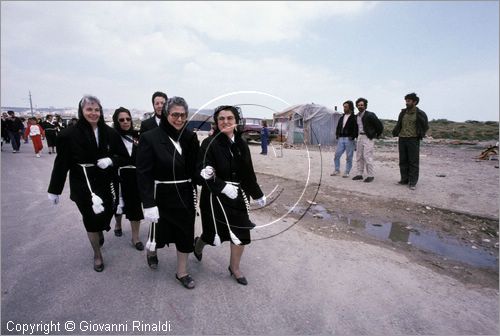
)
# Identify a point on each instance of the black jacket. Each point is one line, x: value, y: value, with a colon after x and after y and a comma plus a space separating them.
x: 76, y: 145
x: 422, y: 124
x: 148, y: 124
x: 351, y: 127
x: 14, y: 125
x: 157, y: 159
x: 372, y: 126
x: 216, y: 151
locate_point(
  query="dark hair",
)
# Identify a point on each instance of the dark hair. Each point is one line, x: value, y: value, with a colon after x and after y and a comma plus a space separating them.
x: 47, y: 116
x: 10, y: 112
x: 158, y: 94
x: 413, y: 96
x: 350, y: 103
x: 235, y: 110
x: 119, y: 110
x: 175, y: 101
x: 362, y: 100
x: 264, y: 123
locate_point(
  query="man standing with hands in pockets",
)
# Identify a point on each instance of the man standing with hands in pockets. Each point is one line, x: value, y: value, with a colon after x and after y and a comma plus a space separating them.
x: 370, y: 127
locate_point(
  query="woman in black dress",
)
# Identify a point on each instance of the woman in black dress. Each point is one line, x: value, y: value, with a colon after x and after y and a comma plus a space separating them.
x: 86, y: 151
x: 166, y: 164
x: 228, y: 176
x: 129, y: 200
x: 51, y: 129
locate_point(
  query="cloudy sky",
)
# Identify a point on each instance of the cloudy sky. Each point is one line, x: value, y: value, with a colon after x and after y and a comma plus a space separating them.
x: 265, y: 53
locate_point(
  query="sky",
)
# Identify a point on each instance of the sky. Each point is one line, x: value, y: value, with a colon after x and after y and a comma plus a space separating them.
x: 271, y: 54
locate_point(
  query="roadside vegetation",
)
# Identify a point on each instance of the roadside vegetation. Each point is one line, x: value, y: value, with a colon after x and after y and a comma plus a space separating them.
x: 445, y: 129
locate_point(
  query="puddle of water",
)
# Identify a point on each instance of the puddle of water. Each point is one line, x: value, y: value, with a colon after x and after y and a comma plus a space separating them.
x: 426, y: 240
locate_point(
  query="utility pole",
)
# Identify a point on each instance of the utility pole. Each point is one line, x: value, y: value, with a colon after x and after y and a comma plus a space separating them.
x: 31, y: 105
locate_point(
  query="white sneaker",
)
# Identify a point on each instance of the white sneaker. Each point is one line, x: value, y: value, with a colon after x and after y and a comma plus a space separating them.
x: 38, y: 155
x: 345, y: 175
x: 335, y: 173
x: 14, y: 151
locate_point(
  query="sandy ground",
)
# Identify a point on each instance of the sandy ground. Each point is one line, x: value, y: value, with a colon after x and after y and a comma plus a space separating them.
x: 456, y: 202
x: 468, y: 186
x: 312, y: 267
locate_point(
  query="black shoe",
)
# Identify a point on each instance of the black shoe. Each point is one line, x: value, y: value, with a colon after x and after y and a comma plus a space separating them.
x: 403, y: 182
x: 186, y: 281
x: 369, y: 179
x: 357, y: 177
x: 118, y: 232
x: 152, y: 261
x: 99, y: 268
x: 139, y: 245
x: 242, y: 281
x: 198, y: 256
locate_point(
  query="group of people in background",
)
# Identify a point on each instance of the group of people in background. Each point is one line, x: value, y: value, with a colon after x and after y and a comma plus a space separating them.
x: 153, y: 175
x: 358, y: 133
x: 14, y: 128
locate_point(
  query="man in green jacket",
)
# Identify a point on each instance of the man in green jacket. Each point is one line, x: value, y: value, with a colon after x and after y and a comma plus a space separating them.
x: 411, y: 128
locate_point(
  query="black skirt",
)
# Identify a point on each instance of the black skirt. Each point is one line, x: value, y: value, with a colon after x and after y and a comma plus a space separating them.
x: 98, y: 222
x: 176, y: 224
x: 236, y: 212
x: 51, y: 137
x: 130, y: 193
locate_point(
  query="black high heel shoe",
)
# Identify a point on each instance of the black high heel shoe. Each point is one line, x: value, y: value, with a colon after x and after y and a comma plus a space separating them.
x: 242, y: 280
x: 152, y: 261
x: 198, y: 256
x: 99, y: 268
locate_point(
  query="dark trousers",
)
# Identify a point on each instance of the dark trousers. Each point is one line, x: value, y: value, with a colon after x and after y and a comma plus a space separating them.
x: 409, y: 149
x: 15, y: 140
x: 263, y: 144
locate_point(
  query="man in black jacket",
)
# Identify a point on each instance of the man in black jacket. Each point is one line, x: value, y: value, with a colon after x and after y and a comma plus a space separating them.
x: 411, y: 128
x: 15, y: 128
x: 346, y: 133
x: 159, y: 99
x: 369, y: 128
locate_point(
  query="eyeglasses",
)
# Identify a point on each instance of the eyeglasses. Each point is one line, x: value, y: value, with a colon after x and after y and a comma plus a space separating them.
x: 177, y: 115
x: 228, y: 118
x: 124, y: 119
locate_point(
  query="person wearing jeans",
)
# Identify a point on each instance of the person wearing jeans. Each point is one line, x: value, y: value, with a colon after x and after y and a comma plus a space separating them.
x: 346, y: 133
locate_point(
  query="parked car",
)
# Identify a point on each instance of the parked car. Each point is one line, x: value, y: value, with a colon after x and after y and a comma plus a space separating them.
x: 251, y: 128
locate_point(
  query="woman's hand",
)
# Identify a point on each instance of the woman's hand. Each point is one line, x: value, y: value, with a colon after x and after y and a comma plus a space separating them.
x: 230, y: 191
x: 104, y: 163
x: 151, y: 214
x: 207, y: 172
x: 261, y: 201
x: 53, y: 198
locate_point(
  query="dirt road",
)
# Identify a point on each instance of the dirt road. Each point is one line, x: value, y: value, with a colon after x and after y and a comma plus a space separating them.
x: 304, y: 280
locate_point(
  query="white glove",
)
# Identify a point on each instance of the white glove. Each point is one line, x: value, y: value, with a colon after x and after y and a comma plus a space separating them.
x: 104, y: 163
x: 230, y: 191
x: 151, y: 214
x: 53, y: 198
x: 121, y: 204
x: 261, y: 201
x: 207, y: 172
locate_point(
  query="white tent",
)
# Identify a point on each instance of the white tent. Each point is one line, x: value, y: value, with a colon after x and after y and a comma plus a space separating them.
x: 311, y: 124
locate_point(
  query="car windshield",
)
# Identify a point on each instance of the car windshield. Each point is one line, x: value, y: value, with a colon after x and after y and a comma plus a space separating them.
x: 252, y: 121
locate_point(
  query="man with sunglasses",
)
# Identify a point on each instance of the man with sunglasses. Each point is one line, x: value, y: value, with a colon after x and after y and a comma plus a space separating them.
x: 159, y: 99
